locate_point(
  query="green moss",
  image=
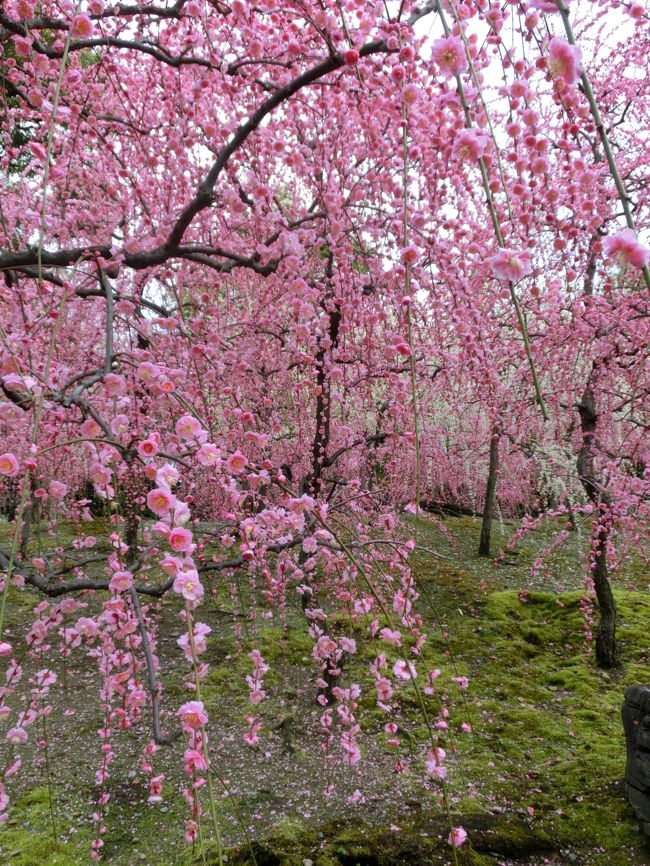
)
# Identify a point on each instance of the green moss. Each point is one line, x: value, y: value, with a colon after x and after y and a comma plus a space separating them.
x: 422, y: 843
x: 27, y: 838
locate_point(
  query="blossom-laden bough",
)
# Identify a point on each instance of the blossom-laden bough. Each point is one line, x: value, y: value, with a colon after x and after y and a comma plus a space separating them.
x: 274, y: 274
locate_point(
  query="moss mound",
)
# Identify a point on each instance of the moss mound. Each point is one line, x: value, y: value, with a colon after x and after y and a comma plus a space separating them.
x: 340, y: 843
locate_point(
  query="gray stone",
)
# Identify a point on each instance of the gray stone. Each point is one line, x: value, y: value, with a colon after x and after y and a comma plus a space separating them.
x: 636, y: 723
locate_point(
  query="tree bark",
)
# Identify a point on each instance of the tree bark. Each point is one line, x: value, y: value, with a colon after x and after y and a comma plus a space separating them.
x: 606, y: 647
x: 490, y: 496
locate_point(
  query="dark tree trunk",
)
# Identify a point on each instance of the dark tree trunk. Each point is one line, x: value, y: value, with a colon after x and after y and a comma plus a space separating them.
x: 606, y: 648
x: 320, y: 444
x: 490, y: 496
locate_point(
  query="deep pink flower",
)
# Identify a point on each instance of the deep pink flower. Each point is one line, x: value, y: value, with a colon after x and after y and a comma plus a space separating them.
x: 90, y: 428
x: 449, y: 54
x: 409, y: 255
x: 148, y: 448
x: 180, y: 539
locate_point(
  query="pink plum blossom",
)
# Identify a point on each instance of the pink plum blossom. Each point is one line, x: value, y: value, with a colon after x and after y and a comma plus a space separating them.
x: 565, y: 60
x: 180, y: 539
x: 449, y: 55
x: 470, y: 144
x: 625, y: 248
x: 121, y: 581
x: 511, y: 265
x: 160, y: 501
x: 193, y: 714
x: 457, y: 836
x: 9, y: 466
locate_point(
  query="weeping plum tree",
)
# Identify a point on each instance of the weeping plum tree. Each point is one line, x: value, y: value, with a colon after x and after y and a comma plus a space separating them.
x: 268, y: 271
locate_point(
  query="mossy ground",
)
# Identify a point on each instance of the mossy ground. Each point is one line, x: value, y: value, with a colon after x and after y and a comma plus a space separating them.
x: 540, y: 777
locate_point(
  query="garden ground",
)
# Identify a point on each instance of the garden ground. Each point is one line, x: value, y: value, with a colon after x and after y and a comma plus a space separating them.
x: 539, y: 779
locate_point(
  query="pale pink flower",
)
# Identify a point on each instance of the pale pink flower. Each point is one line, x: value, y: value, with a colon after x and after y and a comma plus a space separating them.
x: 114, y: 384
x: 356, y: 798
x: 160, y: 501
x: 511, y: 265
x: 391, y: 637
x: 100, y: 475
x: 148, y: 372
x: 449, y: 54
x: 82, y: 27
x: 171, y: 565
x: 565, y: 60
x: 625, y: 248
x: 9, y: 466
x: 57, y: 489
x: 404, y: 670
x: 410, y: 94
x: 457, y: 837
x: 86, y: 627
x: 188, y: 427
x: 188, y: 585
x: 236, y: 463
x: 208, y: 454
x: 384, y: 689
x: 120, y: 424
x: 348, y: 645
x: 90, y: 428
x: 17, y: 736
x: 167, y: 476
x: 45, y: 677
x: 545, y: 5
x: 193, y: 714
x: 121, y: 581
x: 6, y: 649
x: 469, y: 144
